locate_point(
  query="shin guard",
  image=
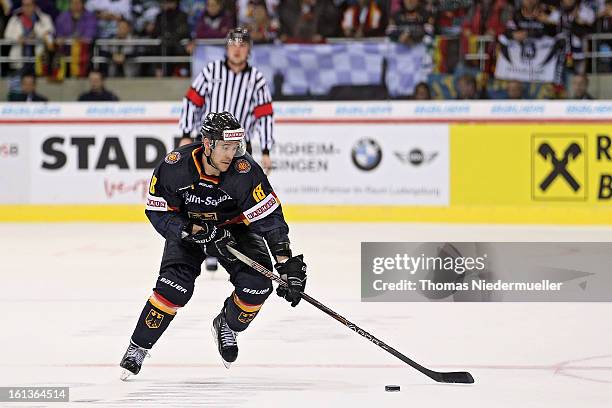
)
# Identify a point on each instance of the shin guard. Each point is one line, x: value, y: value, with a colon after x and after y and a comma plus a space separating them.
x: 153, y: 321
x: 238, y: 313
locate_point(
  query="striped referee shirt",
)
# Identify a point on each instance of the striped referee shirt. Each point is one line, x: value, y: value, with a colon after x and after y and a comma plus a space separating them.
x: 245, y: 95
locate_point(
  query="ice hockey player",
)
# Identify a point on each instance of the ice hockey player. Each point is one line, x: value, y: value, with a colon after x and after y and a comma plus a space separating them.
x: 203, y: 198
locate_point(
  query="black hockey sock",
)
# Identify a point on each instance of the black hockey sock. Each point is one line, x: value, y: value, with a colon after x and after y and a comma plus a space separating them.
x: 154, y: 320
x: 238, y: 313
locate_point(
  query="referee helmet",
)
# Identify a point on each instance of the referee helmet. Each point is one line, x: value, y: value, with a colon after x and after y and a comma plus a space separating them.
x: 238, y: 35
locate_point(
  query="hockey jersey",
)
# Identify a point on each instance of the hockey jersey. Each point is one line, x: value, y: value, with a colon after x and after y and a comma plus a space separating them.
x: 181, y: 192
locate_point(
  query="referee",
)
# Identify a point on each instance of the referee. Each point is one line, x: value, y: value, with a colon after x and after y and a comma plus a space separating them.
x: 235, y: 86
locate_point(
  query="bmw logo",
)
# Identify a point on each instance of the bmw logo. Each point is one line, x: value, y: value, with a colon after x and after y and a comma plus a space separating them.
x: 366, y: 154
x: 416, y: 157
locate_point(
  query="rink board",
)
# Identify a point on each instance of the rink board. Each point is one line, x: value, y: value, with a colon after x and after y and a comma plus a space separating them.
x: 482, y: 162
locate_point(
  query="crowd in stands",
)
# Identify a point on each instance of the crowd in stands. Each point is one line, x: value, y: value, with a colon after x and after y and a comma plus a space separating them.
x: 62, y: 28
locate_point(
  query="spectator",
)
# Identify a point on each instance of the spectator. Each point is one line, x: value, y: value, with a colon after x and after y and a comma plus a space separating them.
x: 450, y: 14
x: 580, y: 86
x: 144, y: 27
x: 308, y: 21
x: 215, y: 22
x: 171, y: 28
x: 79, y: 26
x: 97, y: 92
x: 245, y: 8
x: 260, y: 25
x: 422, y: 92
x: 5, y: 12
x: 411, y: 25
x: 363, y: 19
x: 466, y: 87
x: 109, y: 13
x: 514, y: 90
x: 574, y: 20
x: 29, y: 23
x: 76, y: 23
x: 531, y: 20
x: 143, y: 16
x: 119, y: 55
x: 194, y: 9
x: 62, y: 5
x: 394, y: 6
x: 28, y: 91
x: 604, y: 11
x: 604, y: 25
x: 484, y: 18
x: 48, y: 7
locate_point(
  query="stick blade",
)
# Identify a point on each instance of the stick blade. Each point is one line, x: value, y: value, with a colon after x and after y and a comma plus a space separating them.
x: 457, y: 377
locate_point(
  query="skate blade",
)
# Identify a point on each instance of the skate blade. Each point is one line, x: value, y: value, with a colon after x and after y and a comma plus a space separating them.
x: 214, y: 335
x: 125, y: 374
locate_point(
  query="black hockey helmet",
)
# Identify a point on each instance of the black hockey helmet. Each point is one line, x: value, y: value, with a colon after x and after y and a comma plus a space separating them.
x: 223, y: 126
x: 238, y: 35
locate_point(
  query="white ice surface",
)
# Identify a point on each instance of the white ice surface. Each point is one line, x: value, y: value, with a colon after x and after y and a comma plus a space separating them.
x: 70, y: 295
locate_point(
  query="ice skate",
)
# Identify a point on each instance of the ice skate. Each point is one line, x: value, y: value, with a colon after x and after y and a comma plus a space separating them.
x: 132, y: 360
x: 225, y: 338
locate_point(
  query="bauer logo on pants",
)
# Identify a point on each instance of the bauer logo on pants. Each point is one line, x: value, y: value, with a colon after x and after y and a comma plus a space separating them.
x: 559, y: 167
x: 154, y: 319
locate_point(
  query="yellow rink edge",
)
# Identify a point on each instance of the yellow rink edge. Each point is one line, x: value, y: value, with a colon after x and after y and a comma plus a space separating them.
x: 335, y: 213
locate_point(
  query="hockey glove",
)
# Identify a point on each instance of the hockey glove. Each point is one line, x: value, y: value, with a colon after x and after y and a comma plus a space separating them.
x: 204, y: 236
x: 214, y: 241
x: 293, y: 271
x: 218, y: 246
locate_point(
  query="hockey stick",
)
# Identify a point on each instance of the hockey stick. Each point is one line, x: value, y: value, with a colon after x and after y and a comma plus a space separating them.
x: 453, y: 377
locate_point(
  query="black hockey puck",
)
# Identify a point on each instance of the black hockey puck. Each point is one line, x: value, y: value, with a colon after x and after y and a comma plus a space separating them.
x: 392, y: 387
